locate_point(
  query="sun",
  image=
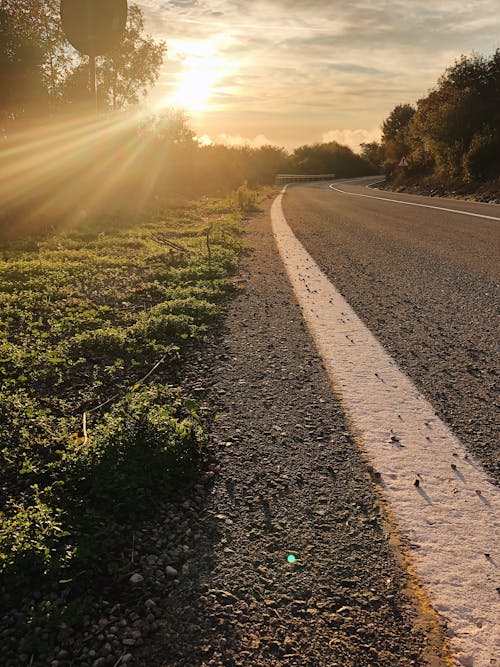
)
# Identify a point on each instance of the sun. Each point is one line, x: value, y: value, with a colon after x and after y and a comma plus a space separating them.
x: 195, y: 85
x: 202, y: 71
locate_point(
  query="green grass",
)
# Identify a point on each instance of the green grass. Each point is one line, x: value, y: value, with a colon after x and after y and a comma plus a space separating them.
x: 86, y: 314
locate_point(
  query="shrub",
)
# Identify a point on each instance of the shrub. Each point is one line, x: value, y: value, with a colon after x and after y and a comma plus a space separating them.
x: 482, y: 160
x: 150, y: 439
x: 96, y: 344
x: 199, y: 309
x: 30, y: 537
x: 148, y: 444
x: 246, y: 199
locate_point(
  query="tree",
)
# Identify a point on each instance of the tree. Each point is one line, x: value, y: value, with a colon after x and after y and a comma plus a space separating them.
x: 468, y: 72
x: 20, y: 69
x: 373, y: 152
x: 33, y: 56
x: 264, y: 163
x: 329, y: 158
x: 36, y: 25
x: 397, y: 121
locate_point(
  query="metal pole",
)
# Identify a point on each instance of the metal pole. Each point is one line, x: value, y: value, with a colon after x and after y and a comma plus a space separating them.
x: 93, y: 81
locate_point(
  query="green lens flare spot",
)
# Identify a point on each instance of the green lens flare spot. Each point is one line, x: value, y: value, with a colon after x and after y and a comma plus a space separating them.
x: 291, y: 558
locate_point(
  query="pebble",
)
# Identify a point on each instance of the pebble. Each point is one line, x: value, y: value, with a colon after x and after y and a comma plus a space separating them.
x: 171, y: 572
x: 136, y: 579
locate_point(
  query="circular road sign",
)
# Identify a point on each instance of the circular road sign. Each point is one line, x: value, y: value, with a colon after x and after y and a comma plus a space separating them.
x: 94, y: 27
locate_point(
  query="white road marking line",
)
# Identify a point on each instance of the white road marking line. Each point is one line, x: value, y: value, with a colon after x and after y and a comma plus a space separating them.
x: 411, y: 203
x: 451, y: 518
x: 371, y: 186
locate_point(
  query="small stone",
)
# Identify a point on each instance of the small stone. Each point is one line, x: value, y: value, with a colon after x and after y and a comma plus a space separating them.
x: 127, y: 658
x: 136, y: 579
x: 171, y: 572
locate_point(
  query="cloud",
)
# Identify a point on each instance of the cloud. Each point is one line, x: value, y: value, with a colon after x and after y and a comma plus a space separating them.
x: 237, y: 140
x: 317, y: 64
x: 352, y: 138
x: 233, y: 140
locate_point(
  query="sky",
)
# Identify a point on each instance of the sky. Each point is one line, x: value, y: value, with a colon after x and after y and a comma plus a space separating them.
x: 291, y: 72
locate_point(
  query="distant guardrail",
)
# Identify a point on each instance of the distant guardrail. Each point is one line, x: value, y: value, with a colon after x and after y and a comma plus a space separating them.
x: 283, y: 179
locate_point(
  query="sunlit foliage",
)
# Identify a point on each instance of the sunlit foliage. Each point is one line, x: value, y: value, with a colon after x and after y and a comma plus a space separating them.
x: 454, y: 133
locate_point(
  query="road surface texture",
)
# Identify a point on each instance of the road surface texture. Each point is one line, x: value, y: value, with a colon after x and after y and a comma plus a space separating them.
x: 290, y: 485
x: 426, y: 283
x: 446, y: 507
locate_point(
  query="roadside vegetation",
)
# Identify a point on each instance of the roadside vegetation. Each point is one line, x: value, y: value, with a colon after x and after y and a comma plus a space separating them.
x: 451, y: 137
x: 95, y: 321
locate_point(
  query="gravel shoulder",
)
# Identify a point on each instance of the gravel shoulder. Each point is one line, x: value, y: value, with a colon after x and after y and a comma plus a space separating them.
x: 286, y: 479
x: 426, y: 284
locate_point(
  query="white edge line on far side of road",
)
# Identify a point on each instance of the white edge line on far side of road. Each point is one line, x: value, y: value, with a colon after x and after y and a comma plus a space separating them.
x: 410, y: 203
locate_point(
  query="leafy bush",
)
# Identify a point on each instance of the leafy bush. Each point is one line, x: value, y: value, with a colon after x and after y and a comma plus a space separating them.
x: 163, y: 329
x: 199, y: 309
x: 30, y: 538
x: 97, y: 344
x: 246, y: 199
x: 150, y: 439
x: 482, y: 160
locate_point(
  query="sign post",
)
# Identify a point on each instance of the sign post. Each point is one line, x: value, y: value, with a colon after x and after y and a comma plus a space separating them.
x: 94, y: 27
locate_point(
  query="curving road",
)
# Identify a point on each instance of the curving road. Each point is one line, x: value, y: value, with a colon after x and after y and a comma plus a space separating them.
x: 423, y: 274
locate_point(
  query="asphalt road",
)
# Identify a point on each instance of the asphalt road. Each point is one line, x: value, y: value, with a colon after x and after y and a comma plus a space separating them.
x: 291, y: 482
x: 426, y: 283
